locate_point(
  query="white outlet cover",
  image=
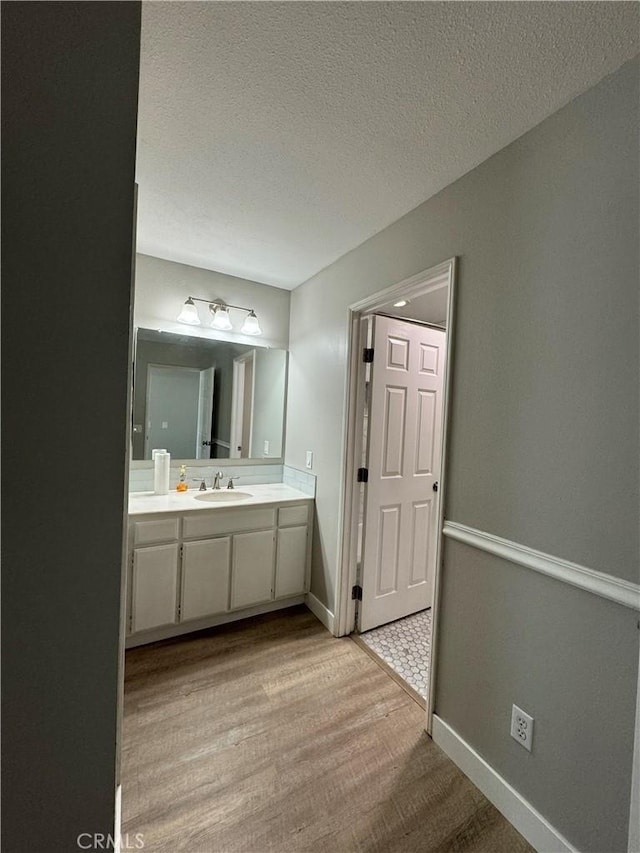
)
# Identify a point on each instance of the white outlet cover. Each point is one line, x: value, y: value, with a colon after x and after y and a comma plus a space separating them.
x: 522, y: 727
x: 266, y: 448
x: 309, y: 461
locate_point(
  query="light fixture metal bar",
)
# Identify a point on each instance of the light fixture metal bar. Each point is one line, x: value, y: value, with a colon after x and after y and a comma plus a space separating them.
x: 220, y: 311
x: 220, y: 304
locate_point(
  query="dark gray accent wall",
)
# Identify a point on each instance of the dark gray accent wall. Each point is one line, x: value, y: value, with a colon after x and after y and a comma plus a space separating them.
x: 69, y: 103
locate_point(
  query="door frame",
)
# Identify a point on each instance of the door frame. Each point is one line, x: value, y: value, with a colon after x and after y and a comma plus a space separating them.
x: 237, y: 400
x: 199, y: 435
x: 443, y: 274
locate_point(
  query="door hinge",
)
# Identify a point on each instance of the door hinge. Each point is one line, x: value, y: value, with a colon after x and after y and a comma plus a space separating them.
x: 367, y: 355
x: 363, y: 475
x: 356, y: 592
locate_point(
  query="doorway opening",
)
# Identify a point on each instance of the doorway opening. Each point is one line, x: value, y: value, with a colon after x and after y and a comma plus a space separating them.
x: 398, y: 390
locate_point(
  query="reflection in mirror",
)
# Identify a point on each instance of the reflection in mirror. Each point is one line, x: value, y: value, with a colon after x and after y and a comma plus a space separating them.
x: 207, y: 399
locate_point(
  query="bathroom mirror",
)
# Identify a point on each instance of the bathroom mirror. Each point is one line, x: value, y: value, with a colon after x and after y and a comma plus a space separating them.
x: 206, y: 399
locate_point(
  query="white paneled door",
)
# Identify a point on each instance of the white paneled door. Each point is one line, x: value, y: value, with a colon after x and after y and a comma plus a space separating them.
x: 405, y: 442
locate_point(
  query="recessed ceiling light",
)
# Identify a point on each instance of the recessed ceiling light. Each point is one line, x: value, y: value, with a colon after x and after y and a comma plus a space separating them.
x: 400, y: 303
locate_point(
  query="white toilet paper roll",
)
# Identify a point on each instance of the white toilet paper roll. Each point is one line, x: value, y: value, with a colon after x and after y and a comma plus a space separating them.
x: 161, y: 467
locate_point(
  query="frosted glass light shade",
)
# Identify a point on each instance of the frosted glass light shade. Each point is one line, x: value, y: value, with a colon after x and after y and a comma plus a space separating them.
x: 189, y: 313
x: 251, y: 325
x: 221, y: 319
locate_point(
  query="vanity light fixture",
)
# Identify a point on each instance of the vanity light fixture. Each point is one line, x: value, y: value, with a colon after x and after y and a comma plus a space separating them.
x: 251, y: 325
x: 221, y: 318
x: 189, y: 313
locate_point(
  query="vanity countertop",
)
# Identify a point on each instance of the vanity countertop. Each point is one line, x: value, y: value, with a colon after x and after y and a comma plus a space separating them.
x: 145, y: 503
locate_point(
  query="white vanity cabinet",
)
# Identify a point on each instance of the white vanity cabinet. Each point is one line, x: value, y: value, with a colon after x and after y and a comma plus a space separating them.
x: 193, y: 569
x: 252, y: 575
x: 205, y: 577
x: 153, y: 590
x: 291, y: 549
x: 292, y: 544
x: 154, y: 599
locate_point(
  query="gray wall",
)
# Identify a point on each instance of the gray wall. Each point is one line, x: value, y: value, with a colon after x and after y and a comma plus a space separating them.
x: 269, y: 397
x: 544, y: 439
x: 162, y: 287
x: 151, y: 352
x: 172, y: 412
x: 69, y: 90
x: 570, y: 660
x: 268, y: 402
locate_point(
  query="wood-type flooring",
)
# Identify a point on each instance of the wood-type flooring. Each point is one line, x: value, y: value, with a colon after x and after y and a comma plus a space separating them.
x: 270, y: 736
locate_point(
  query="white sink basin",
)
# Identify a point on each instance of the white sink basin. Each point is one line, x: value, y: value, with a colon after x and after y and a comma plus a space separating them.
x: 222, y: 496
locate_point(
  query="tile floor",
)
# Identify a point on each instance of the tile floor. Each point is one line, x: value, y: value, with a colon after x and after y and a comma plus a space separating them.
x: 405, y: 646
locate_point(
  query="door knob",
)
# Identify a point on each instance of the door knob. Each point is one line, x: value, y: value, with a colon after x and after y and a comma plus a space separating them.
x: 435, y: 486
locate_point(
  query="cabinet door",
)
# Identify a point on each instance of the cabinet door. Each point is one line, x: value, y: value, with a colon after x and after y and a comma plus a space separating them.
x: 291, y: 562
x: 205, y: 577
x: 252, y: 573
x: 154, y: 587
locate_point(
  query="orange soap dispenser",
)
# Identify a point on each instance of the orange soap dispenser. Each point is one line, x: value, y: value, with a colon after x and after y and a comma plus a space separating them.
x: 182, y: 482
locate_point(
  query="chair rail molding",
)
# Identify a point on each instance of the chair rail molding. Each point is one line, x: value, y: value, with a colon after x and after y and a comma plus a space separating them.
x: 602, y: 584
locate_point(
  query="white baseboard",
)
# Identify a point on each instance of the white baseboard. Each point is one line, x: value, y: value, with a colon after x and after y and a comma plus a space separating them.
x: 320, y: 611
x: 634, y: 814
x: 117, y: 828
x: 521, y: 814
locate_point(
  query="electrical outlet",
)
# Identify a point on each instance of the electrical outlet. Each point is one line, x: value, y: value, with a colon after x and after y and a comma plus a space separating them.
x: 309, y: 461
x: 265, y: 450
x: 521, y: 727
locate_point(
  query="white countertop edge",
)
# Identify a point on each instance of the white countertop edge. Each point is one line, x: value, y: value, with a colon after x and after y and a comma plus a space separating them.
x: 147, y: 503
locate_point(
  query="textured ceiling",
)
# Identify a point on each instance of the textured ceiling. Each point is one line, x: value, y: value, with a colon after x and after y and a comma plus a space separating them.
x: 275, y: 137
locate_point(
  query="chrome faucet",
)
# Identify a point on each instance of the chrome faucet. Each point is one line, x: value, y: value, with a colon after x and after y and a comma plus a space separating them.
x: 232, y: 477
x: 216, y: 480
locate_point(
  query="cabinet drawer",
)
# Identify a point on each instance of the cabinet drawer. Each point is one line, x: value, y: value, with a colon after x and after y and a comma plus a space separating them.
x: 158, y: 530
x: 226, y: 521
x: 293, y: 515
